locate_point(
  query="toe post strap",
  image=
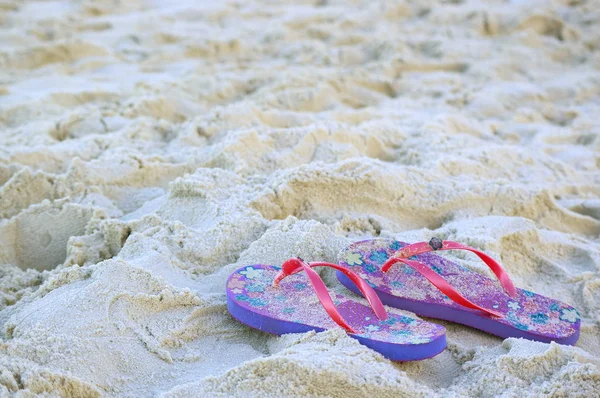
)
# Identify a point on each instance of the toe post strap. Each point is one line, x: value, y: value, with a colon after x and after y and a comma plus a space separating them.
x: 436, y: 244
x: 295, y: 265
x: 441, y: 284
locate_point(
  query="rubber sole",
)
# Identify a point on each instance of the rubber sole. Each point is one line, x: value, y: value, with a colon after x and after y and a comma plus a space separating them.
x: 468, y: 318
x: 395, y: 352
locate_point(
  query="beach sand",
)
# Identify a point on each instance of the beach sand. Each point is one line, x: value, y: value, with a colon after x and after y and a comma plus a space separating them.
x: 150, y: 148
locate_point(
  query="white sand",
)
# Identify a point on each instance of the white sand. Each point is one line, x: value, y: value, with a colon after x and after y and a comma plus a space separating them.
x: 148, y: 150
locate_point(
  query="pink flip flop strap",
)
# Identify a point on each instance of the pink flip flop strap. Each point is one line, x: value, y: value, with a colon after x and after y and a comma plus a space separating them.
x: 295, y: 265
x: 439, y: 283
x: 436, y: 244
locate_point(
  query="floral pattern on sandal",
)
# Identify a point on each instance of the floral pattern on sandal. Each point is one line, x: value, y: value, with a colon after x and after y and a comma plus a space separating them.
x: 527, y: 314
x: 293, y: 306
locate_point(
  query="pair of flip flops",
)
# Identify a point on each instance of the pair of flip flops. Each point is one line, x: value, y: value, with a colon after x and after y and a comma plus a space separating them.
x: 294, y: 299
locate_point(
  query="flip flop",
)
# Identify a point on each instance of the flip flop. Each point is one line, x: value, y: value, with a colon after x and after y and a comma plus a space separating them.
x: 429, y: 290
x: 259, y: 297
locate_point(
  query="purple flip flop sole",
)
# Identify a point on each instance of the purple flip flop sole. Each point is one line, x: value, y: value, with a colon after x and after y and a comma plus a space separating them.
x: 293, y: 307
x: 529, y: 315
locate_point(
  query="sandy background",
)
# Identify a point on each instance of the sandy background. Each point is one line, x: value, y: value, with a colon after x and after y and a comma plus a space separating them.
x: 149, y: 148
